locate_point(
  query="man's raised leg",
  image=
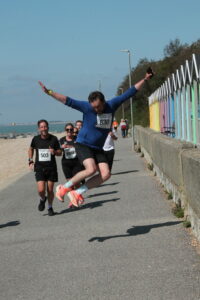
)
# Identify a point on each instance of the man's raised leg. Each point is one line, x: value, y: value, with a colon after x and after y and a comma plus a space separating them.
x: 104, y: 174
x: 90, y: 169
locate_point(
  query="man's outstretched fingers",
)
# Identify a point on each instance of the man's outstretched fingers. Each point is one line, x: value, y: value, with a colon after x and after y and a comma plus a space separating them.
x: 43, y: 87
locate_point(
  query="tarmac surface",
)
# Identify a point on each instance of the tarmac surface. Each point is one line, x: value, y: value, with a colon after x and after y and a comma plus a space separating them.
x: 124, y: 243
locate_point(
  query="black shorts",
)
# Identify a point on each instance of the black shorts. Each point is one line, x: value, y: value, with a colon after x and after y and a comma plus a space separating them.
x: 110, y: 156
x: 46, y: 174
x: 71, y: 167
x: 83, y: 152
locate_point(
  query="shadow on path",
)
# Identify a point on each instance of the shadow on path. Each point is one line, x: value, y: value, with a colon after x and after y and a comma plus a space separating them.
x: 106, y: 184
x: 12, y: 223
x: 102, y: 194
x: 90, y: 205
x: 125, y: 172
x: 134, y: 230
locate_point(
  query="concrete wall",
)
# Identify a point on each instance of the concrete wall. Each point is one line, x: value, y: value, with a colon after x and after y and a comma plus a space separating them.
x: 177, y: 165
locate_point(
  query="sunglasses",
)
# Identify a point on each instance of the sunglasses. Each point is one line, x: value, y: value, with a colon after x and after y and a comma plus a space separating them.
x: 69, y: 130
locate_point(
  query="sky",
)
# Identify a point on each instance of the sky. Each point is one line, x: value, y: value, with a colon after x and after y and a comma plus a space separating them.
x: 74, y: 46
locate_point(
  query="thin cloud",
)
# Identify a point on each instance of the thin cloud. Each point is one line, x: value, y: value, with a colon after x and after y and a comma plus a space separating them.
x: 21, y: 78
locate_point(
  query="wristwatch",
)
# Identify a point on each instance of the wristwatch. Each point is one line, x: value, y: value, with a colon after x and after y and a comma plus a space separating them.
x: 30, y: 161
x: 50, y: 92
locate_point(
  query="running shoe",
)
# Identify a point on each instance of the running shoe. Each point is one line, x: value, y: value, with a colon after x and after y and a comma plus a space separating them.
x: 81, y: 200
x: 51, y: 212
x: 75, y: 198
x: 71, y: 206
x: 41, y: 205
x: 61, y: 191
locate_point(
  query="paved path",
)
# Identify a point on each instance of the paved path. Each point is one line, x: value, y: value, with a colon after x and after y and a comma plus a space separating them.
x: 123, y: 244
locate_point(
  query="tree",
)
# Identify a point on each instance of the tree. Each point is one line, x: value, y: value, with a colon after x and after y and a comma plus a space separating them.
x: 176, y: 54
x: 174, y: 48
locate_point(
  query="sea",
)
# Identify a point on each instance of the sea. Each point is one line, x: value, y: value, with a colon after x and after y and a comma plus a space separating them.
x: 10, y: 130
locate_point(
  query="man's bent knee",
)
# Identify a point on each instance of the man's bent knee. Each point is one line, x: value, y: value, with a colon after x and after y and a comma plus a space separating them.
x: 91, y: 170
x: 105, y: 176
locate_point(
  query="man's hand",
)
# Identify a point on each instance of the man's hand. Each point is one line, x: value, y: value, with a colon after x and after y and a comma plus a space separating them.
x: 44, y: 88
x: 51, y: 150
x: 113, y: 136
x: 31, y: 166
x: 149, y: 74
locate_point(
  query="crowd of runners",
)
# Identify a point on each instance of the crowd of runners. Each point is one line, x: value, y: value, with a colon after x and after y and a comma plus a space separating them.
x: 87, y: 149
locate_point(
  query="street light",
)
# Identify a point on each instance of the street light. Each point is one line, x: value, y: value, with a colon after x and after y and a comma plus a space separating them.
x: 99, y: 85
x: 122, y: 90
x: 131, y: 99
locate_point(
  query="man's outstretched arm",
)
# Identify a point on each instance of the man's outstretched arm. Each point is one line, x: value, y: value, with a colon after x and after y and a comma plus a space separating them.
x: 82, y: 106
x: 140, y: 83
x: 55, y: 95
x: 117, y: 101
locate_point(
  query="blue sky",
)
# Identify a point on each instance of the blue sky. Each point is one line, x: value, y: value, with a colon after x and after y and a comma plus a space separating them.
x: 72, y: 45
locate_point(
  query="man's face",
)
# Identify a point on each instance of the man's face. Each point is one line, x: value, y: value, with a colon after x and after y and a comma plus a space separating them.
x: 98, y: 106
x: 79, y: 125
x: 43, y: 129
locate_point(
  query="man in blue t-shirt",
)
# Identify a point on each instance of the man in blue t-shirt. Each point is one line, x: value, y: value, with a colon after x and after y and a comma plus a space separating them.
x: 97, y: 122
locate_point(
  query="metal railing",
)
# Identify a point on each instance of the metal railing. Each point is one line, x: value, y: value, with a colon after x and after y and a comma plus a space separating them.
x: 175, y: 105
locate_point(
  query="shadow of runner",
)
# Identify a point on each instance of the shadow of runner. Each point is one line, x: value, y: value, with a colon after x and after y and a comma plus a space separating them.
x: 125, y: 172
x: 134, y: 230
x: 90, y: 205
x: 12, y: 223
x: 102, y: 194
x: 106, y: 184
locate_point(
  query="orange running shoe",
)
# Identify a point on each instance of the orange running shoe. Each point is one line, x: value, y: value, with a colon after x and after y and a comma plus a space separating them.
x: 75, y: 198
x: 70, y: 205
x: 61, y: 191
x: 81, y: 200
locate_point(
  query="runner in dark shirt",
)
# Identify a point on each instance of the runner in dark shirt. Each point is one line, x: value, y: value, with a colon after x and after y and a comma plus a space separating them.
x: 70, y: 162
x: 46, y: 147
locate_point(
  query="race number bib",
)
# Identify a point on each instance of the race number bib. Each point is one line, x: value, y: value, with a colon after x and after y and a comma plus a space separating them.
x: 70, y: 153
x: 44, y: 155
x: 104, y: 121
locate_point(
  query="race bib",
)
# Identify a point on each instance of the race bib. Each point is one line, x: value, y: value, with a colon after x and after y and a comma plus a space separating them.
x: 44, y: 155
x: 70, y: 153
x: 104, y: 121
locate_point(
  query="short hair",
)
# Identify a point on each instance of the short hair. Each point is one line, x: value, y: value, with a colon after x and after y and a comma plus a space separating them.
x: 96, y: 95
x: 42, y: 121
x: 79, y: 121
x: 69, y: 124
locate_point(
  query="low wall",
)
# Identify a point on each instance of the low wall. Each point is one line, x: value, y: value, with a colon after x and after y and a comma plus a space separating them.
x: 177, y: 165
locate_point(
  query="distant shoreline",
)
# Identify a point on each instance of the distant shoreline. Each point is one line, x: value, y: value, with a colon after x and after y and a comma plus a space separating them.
x: 12, y: 132
x: 32, y: 124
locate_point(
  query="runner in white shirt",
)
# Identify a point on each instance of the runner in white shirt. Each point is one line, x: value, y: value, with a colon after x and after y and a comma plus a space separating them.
x: 109, y: 147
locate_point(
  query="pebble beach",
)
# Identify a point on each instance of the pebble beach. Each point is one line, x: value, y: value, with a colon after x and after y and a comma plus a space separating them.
x: 14, y: 159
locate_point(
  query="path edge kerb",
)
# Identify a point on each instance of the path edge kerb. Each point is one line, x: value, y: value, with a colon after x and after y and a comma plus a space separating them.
x: 176, y: 163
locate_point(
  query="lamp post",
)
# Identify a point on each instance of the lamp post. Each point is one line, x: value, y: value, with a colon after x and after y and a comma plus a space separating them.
x: 99, y: 85
x: 122, y: 90
x: 131, y: 99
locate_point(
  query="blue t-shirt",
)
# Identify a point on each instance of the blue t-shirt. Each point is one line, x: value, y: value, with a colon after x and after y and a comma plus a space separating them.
x: 97, y: 126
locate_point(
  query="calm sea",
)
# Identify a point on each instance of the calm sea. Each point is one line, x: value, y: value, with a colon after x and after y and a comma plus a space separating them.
x: 32, y: 129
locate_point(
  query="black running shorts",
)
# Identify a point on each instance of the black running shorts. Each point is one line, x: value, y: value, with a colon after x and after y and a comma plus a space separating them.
x: 46, y: 174
x: 83, y: 152
x: 110, y: 156
x: 71, y: 167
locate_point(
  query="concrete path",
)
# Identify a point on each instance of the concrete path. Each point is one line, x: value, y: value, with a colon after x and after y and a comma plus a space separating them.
x: 123, y: 244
